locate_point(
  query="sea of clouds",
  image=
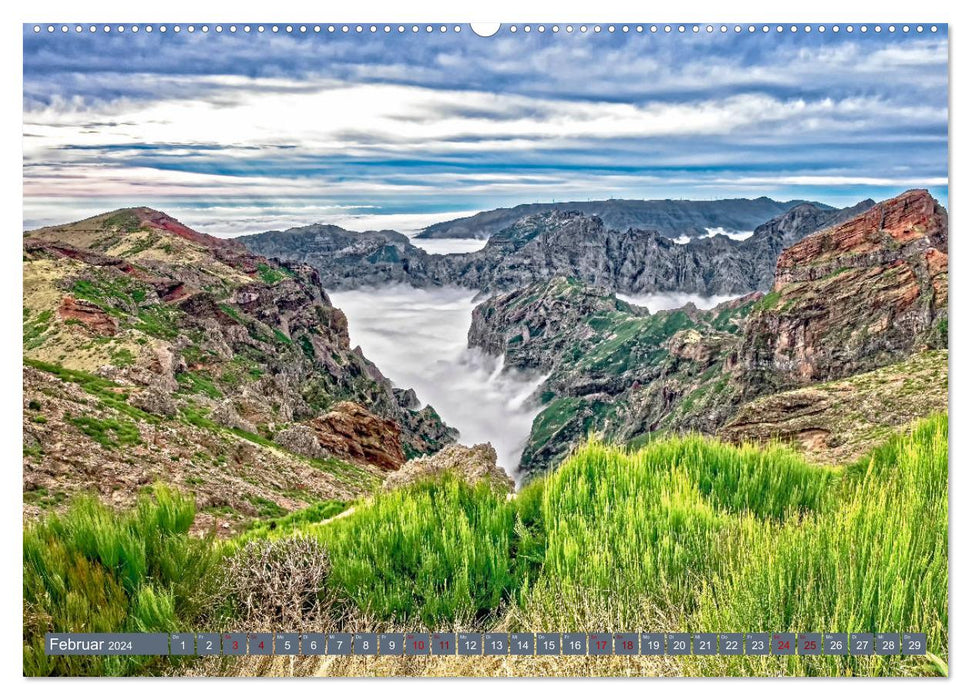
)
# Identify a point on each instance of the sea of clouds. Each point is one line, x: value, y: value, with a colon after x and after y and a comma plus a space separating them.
x: 418, y: 339
x: 664, y: 301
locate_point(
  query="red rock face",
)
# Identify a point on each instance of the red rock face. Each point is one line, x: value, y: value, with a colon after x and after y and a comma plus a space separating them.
x: 156, y: 219
x: 891, y: 230
x: 353, y: 433
x: 90, y: 315
x: 852, y: 298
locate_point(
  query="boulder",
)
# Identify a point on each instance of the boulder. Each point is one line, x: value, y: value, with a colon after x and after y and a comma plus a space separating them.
x: 471, y: 464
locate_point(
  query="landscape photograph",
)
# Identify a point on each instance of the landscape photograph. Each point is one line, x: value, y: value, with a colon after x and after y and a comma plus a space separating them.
x: 390, y: 330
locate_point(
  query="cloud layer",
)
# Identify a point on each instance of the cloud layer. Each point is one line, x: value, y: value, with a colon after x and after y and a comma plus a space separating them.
x: 242, y: 132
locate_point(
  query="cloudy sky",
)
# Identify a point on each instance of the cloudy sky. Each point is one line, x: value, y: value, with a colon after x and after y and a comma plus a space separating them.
x: 237, y: 133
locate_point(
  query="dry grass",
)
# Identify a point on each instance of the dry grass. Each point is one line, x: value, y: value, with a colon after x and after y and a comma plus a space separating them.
x: 277, y: 585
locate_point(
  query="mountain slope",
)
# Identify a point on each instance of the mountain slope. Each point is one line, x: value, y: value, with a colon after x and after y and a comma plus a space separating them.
x: 854, y: 297
x: 161, y: 325
x: 612, y: 367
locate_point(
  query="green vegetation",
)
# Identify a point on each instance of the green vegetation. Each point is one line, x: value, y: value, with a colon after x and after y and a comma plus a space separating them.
x: 123, y: 357
x: 876, y: 560
x: 651, y: 524
x: 198, y: 383
x: 437, y: 552
x: 627, y: 341
x: 94, y: 570
x: 233, y: 313
x: 159, y: 320
x: 684, y: 533
x: 107, y: 392
x: 124, y: 298
x: 271, y: 275
x: 124, y: 220
x: 36, y: 328
x: 109, y: 432
x: 295, y: 521
x: 769, y: 301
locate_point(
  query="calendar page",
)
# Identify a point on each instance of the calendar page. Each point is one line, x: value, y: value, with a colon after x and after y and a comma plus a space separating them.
x: 544, y: 350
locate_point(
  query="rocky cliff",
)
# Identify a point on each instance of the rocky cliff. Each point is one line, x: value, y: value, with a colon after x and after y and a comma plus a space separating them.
x: 853, y: 297
x: 539, y: 246
x: 839, y: 421
x: 612, y: 367
x: 861, y: 295
x: 190, y: 330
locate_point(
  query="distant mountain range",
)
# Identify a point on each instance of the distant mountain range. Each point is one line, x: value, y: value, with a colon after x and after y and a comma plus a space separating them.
x: 672, y: 218
x: 539, y: 246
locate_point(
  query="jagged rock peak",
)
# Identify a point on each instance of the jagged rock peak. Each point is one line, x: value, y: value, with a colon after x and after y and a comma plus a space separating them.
x: 910, y: 221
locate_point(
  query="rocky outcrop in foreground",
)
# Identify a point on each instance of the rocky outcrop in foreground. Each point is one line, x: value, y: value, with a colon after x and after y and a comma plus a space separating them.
x: 471, y: 464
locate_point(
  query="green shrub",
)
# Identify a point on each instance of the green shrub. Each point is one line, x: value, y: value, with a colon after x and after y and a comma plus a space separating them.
x: 96, y: 570
x: 298, y: 519
x: 108, y: 432
x: 439, y: 551
x: 647, y: 525
x: 876, y: 561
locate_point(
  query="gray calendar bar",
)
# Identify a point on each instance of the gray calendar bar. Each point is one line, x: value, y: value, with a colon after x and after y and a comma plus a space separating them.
x: 705, y: 644
x: 809, y: 644
x: 338, y: 644
x: 679, y: 644
x: 652, y: 644
x: 835, y: 644
x: 547, y: 644
x: 208, y: 644
x: 574, y: 644
x: 314, y: 644
x: 496, y: 644
x: 261, y: 644
x: 887, y: 644
x: 731, y: 644
x: 783, y: 644
x: 416, y: 644
x: 488, y: 644
x: 286, y: 644
x: 182, y: 645
x: 391, y: 644
x: 861, y: 644
x: 522, y: 643
x: 914, y: 643
x: 625, y: 644
x: 365, y: 644
x: 600, y: 644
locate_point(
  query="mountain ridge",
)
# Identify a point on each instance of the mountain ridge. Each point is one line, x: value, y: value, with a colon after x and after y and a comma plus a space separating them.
x: 554, y: 243
x: 669, y: 217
